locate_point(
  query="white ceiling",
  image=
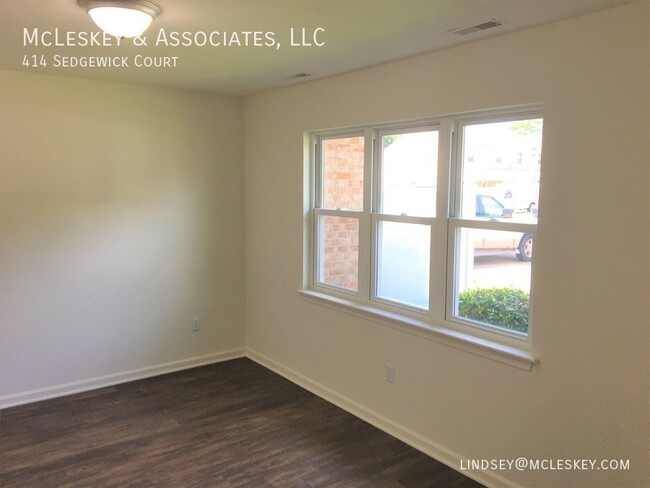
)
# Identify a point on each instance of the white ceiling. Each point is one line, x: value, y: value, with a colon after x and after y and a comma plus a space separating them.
x: 358, y: 33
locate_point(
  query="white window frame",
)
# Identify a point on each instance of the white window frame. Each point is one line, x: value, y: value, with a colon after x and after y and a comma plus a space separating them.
x: 318, y: 211
x: 456, y: 223
x: 438, y: 322
x: 377, y: 215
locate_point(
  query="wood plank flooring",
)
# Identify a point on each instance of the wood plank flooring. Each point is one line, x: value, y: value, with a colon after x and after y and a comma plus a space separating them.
x: 233, y: 425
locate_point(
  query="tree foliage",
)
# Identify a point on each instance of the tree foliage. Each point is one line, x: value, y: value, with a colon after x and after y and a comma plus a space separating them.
x: 527, y: 127
x: 388, y: 140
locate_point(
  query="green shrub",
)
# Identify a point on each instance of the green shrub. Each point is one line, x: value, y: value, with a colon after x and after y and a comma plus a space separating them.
x: 505, y: 307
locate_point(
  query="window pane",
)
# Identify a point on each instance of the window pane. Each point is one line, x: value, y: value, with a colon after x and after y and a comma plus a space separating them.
x: 408, y: 174
x: 403, y: 263
x: 343, y: 173
x: 338, y: 252
x: 493, y: 277
x: 501, y: 170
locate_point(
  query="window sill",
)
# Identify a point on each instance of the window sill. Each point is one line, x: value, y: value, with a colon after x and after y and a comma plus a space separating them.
x: 482, y: 347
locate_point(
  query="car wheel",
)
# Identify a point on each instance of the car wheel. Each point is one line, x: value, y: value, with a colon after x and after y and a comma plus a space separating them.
x: 525, y: 248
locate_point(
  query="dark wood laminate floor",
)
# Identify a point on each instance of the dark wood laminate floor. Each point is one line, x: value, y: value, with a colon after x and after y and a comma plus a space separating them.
x: 232, y: 424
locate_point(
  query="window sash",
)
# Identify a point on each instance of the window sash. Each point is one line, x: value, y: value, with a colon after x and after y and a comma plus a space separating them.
x: 453, y: 265
x: 378, y: 155
x: 376, y: 219
x: 319, y: 172
x: 317, y: 181
x: 317, y: 258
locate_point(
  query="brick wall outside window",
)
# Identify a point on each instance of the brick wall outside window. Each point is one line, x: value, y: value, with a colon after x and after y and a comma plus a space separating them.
x: 343, y: 161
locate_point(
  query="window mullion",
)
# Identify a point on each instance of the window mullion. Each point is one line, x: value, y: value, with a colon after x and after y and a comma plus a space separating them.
x: 365, y: 238
x: 375, y: 202
x: 438, y: 252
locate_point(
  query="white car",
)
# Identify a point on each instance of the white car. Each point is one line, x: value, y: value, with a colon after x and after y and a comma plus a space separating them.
x: 517, y: 200
x: 488, y: 207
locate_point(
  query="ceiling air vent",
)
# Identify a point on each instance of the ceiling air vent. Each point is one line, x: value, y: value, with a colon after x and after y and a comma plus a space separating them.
x: 463, y: 31
x: 297, y: 76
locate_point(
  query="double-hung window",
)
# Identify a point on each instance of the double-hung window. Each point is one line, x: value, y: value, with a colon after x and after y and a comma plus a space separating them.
x: 433, y: 221
x: 340, y: 213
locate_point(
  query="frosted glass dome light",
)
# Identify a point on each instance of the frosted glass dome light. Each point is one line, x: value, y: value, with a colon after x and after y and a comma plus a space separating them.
x: 121, y: 18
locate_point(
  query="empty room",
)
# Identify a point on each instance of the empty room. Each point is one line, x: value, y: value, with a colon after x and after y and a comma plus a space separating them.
x: 324, y: 243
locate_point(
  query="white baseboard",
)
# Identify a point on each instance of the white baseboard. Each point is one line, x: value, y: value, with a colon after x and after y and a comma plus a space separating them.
x: 413, y: 439
x: 30, y: 396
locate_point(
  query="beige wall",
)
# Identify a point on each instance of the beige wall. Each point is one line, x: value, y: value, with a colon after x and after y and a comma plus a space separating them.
x: 587, y: 398
x: 121, y: 219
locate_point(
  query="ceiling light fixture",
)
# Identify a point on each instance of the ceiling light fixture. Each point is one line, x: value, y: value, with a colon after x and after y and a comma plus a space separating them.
x: 121, y: 18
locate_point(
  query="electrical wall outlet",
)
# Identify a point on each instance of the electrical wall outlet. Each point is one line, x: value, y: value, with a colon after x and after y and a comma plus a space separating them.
x: 196, y: 324
x: 390, y: 373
